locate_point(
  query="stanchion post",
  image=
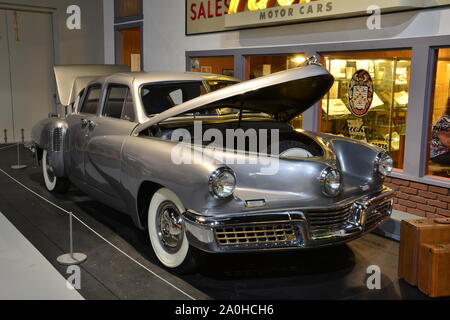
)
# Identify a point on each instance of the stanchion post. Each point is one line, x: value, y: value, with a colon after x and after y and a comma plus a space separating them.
x: 18, y: 166
x: 71, y: 258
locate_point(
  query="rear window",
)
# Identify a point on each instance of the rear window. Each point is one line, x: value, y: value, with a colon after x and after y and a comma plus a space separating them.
x: 157, y: 98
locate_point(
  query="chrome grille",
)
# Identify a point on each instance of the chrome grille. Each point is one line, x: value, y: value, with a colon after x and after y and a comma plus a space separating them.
x: 57, y: 139
x: 328, y: 220
x: 379, y: 212
x: 256, y: 235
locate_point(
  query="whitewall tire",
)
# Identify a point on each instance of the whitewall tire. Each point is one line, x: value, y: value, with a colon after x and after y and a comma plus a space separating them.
x: 52, y: 182
x: 167, y: 231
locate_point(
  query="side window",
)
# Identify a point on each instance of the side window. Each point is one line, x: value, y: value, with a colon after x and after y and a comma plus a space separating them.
x: 119, y: 103
x: 92, y: 100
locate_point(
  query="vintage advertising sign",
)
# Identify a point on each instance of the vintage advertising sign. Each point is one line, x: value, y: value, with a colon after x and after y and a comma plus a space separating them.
x: 204, y: 16
x: 360, y: 93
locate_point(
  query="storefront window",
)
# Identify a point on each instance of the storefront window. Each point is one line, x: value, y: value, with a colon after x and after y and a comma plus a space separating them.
x: 439, y: 132
x: 384, y: 122
x: 216, y: 65
x: 258, y: 66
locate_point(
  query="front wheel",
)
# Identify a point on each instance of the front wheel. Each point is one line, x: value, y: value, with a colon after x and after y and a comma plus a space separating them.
x: 53, y: 183
x: 167, y: 232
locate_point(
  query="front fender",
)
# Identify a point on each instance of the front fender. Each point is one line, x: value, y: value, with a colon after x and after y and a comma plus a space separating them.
x: 49, y: 134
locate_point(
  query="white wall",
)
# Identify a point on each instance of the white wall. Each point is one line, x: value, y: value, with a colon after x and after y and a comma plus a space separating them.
x: 75, y: 46
x: 108, y: 25
x: 165, y: 42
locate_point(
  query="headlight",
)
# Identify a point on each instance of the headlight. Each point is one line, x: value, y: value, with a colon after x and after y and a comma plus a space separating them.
x: 331, y: 181
x: 384, y: 164
x: 222, y: 183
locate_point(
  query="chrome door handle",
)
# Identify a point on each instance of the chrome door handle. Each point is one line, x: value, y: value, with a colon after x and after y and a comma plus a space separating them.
x: 84, y: 123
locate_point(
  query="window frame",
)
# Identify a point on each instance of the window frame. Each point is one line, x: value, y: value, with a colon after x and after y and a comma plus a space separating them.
x: 320, y: 111
x: 86, y: 95
x: 108, y: 88
x: 131, y: 25
x: 433, y: 61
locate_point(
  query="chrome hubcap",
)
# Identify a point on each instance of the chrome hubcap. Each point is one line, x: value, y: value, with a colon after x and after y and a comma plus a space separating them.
x: 169, y: 225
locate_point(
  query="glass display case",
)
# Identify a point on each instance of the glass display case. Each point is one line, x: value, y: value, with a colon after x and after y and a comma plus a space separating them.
x: 384, y: 124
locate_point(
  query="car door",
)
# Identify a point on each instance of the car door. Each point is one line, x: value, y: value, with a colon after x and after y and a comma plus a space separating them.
x: 79, y: 132
x: 106, y: 134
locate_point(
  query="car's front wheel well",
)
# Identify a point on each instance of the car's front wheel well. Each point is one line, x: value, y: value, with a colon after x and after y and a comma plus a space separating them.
x: 39, y: 151
x: 146, y: 192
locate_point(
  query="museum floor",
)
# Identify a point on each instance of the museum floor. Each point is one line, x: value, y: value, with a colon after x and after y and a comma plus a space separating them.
x: 121, y: 264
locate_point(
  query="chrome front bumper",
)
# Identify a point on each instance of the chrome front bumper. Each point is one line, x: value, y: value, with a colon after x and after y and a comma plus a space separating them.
x: 289, y: 229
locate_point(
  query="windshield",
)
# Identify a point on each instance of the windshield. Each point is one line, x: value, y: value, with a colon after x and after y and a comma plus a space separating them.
x: 157, y: 98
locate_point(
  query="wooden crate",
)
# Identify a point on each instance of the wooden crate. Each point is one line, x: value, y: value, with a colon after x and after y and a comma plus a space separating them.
x: 434, y: 269
x: 413, y: 233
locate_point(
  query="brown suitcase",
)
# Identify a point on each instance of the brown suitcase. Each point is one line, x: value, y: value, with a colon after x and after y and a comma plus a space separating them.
x: 434, y: 269
x: 413, y: 233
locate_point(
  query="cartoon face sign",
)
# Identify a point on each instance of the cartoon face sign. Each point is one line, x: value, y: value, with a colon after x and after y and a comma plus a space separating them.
x: 360, y: 93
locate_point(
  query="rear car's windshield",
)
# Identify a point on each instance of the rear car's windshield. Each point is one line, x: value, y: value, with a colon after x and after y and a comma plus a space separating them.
x: 157, y: 98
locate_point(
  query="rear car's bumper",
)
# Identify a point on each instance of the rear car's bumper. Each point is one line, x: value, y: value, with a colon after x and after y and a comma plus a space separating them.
x: 289, y: 229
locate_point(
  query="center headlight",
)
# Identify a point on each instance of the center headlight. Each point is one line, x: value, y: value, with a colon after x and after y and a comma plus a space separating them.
x: 222, y: 183
x: 384, y: 164
x: 331, y: 182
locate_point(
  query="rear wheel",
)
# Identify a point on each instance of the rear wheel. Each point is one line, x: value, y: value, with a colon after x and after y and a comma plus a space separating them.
x: 53, y: 183
x: 167, y: 232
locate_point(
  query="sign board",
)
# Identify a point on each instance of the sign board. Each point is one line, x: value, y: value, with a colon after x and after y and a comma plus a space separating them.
x: 205, y: 16
x: 360, y: 93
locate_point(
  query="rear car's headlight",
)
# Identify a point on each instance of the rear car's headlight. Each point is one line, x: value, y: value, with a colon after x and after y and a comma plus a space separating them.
x: 222, y: 182
x: 331, y: 182
x: 384, y: 164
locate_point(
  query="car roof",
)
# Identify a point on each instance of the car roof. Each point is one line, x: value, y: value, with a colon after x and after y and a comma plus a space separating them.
x: 140, y: 78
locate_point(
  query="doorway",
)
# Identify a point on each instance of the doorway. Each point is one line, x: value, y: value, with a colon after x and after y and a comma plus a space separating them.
x: 129, y: 46
x: 26, y: 60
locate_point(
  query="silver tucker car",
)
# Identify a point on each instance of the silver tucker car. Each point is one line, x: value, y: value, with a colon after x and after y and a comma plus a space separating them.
x: 121, y: 145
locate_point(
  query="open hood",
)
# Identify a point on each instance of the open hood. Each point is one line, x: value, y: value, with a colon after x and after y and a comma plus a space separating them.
x: 71, y: 79
x: 284, y: 94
